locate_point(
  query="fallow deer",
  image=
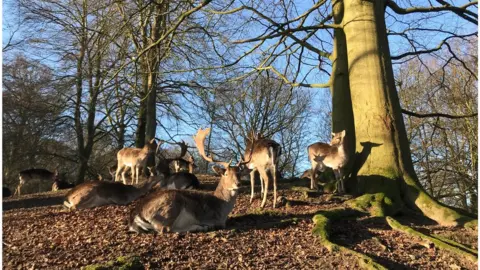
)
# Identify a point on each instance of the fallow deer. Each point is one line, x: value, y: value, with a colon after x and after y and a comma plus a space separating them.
x: 135, y: 158
x: 331, y: 155
x: 61, y: 184
x: 178, y: 163
x: 97, y: 193
x: 185, y: 210
x: 181, y: 164
x: 264, y: 159
x: 180, y: 180
x: 39, y: 176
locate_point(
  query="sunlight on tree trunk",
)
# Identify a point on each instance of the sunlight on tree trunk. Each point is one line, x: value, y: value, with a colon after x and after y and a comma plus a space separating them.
x: 385, y: 160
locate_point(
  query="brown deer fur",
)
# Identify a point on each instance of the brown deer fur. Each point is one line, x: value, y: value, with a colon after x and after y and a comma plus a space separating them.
x: 97, y: 193
x: 183, y: 210
x: 264, y: 158
x: 135, y: 158
x: 35, y: 175
x: 331, y: 155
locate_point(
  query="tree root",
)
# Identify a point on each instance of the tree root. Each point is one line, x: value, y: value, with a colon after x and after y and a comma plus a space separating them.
x: 456, y: 248
x: 377, y: 205
x: 453, y: 243
x: 321, y: 230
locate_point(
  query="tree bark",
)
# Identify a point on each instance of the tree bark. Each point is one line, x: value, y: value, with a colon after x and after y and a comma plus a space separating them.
x: 342, y: 113
x: 384, y: 162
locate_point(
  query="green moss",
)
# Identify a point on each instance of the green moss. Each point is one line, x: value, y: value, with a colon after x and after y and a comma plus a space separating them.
x: 299, y: 189
x: 121, y: 263
x: 321, y: 230
x: 473, y: 224
x: 378, y: 204
x: 330, y: 187
x: 438, y: 243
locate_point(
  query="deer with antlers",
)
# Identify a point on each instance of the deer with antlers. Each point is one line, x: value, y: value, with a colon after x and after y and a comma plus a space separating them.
x: 184, y: 210
x: 163, y: 164
x: 331, y: 155
x: 264, y: 158
x: 135, y: 158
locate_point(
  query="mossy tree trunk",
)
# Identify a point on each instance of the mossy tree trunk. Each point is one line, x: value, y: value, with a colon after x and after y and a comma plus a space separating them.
x: 383, y: 160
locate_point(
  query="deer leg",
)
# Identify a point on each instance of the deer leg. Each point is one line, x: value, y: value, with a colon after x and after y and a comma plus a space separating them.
x: 123, y: 176
x: 17, y: 190
x: 313, y: 181
x: 342, y: 180
x: 252, y: 184
x: 339, y: 183
x: 138, y: 171
x: 264, y: 176
x: 274, y: 172
x: 117, y: 173
x: 133, y: 174
x: 262, y: 184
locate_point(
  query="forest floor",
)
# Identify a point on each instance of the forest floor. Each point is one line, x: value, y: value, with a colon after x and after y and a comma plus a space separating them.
x: 38, y: 233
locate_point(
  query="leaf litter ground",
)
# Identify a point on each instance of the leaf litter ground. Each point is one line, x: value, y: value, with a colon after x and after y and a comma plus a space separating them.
x: 50, y: 237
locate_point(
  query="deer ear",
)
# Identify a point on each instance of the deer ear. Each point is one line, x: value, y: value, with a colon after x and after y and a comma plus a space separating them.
x: 343, y: 133
x: 218, y: 170
x: 152, y: 141
x: 333, y: 134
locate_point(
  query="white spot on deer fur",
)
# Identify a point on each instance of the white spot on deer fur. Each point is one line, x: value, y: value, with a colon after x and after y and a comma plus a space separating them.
x: 141, y: 223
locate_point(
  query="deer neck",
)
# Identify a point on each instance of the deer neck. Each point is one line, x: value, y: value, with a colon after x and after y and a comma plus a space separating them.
x: 145, y: 188
x: 190, y: 167
x: 229, y: 196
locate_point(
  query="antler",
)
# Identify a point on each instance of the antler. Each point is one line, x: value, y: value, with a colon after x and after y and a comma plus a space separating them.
x: 199, y: 142
x: 183, y: 149
x: 248, y: 150
x: 157, y: 152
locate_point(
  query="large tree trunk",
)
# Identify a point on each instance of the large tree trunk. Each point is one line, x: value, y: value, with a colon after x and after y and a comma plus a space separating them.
x: 384, y: 163
x: 342, y: 113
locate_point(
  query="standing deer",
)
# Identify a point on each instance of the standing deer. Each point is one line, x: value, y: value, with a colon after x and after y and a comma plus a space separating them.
x: 135, y: 158
x: 97, y: 193
x: 184, y: 210
x: 40, y: 176
x: 331, y: 155
x: 264, y: 158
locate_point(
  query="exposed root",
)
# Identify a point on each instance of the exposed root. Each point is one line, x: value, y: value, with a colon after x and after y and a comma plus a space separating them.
x: 377, y: 205
x: 418, y: 199
x: 456, y: 248
x: 453, y: 243
x: 321, y: 230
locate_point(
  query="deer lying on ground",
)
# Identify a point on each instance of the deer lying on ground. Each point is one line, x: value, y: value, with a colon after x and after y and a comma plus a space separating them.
x: 264, y: 158
x: 331, y: 155
x: 185, y: 210
x: 60, y: 184
x: 97, y: 193
x: 179, y: 164
x: 135, y: 158
x: 177, y: 180
x: 180, y: 180
x: 35, y: 175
